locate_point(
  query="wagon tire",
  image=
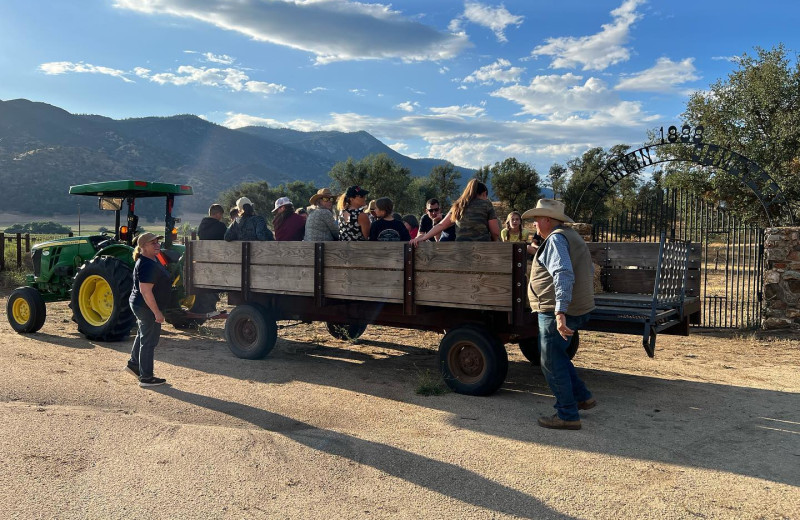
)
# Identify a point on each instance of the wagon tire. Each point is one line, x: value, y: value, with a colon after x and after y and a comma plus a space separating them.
x: 472, y: 360
x: 26, y: 310
x: 99, y: 302
x: 530, y: 348
x: 251, y: 331
x: 346, y: 331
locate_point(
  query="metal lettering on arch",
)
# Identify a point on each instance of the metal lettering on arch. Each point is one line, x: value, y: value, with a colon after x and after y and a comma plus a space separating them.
x: 750, y: 173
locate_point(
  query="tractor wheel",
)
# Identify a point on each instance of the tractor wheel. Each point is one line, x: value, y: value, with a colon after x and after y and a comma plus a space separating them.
x: 251, y: 331
x: 199, y: 304
x: 346, y: 331
x: 26, y: 310
x: 472, y: 360
x: 530, y: 348
x: 100, y: 299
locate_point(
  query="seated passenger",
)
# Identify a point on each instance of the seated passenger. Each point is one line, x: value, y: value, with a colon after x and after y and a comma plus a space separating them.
x: 288, y: 225
x: 473, y: 215
x: 212, y: 227
x: 412, y: 225
x: 387, y: 228
x: 321, y: 225
x: 354, y: 224
x: 248, y: 225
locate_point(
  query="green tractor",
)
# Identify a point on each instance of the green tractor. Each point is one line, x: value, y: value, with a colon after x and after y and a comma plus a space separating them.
x: 95, y: 273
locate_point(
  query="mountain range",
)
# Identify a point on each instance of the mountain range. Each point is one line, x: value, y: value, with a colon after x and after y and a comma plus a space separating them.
x: 45, y: 149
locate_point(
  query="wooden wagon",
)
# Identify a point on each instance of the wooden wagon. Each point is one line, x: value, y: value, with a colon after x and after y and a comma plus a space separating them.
x: 474, y: 293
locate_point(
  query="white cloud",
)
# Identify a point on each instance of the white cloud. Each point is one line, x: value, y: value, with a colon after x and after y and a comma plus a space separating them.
x: 458, y: 111
x: 443, y: 70
x: 358, y: 91
x: 555, y: 95
x: 494, y: 18
x: 662, y: 77
x: 230, y: 78
x: 331, y: 30
x: 224, y: 59
x: 315, y: 90
x: 598, y: 51
x: 500, y: 71
x: 54, y: 68
x: 398, y: 147
x: 407, y: 106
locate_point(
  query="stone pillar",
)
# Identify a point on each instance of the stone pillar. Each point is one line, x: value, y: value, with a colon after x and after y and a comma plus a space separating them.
x: 781, y: 278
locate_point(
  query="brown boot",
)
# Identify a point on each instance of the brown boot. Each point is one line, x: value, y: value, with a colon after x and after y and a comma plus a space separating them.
x: 587, y: 404
x: 558, y: 423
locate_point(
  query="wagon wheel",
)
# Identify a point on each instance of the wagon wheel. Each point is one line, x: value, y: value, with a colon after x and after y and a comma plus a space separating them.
x: 472, y: 360
x: 530, y: 348
x: 251, y: 331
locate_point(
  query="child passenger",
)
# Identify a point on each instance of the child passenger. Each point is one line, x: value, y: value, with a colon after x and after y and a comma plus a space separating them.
x: 387, y: 228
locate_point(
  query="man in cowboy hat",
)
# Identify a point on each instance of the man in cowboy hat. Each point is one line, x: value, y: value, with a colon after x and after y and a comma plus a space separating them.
x: 561, y: 291
x: 321, y: 225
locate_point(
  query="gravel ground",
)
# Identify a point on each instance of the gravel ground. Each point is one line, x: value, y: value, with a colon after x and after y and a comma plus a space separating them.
x: 710, y: 428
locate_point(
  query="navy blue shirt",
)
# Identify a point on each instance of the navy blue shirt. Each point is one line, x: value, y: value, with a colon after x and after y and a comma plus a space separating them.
x: 150, y: 271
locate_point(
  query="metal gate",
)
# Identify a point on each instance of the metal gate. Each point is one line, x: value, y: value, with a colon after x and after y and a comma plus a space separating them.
x: 732, y: 251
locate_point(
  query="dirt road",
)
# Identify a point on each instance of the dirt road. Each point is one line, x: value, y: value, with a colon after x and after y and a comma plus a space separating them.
x: 710, y: 428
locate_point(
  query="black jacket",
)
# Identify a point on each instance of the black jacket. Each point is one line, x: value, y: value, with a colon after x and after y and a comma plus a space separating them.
x: 211, y: 229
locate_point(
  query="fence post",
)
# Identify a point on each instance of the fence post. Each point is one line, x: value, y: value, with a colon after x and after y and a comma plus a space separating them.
x: 27, y: 242
x: 19, y: 250
x: 2, y: 251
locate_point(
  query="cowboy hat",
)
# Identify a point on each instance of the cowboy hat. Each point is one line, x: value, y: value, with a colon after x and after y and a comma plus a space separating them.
x: 548, y: 208
x: 324, y: 192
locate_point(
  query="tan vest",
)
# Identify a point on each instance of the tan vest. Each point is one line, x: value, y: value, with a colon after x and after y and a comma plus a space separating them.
x: 542, y: 292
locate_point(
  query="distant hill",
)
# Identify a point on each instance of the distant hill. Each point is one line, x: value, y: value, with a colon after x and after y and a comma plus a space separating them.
x: 44, y: 150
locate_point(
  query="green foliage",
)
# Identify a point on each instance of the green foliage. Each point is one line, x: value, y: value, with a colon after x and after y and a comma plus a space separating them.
x: 39, y: 227
x: 583, y: 171
x: 515, y: 184
x: 263, y: 197
x: 382, y: 177
x: 483, y: 173
x: 429, y: 383
x: 557, y: 179
x: 755, y: 111
x: 443, y: 184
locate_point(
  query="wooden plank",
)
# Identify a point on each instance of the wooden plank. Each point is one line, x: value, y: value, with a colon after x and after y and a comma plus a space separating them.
x: 355, y: 284
x: 218, y: 276
x: 282, y: 253
x: 284, y: 279
x: 217, y: 251
x: 640, y: 281
x: 364, y: 255
x: 456, y: 289
x: 481, y: 257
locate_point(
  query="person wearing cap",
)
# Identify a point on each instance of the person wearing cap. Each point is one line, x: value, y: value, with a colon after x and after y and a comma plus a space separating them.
x: 354, y: 224
x: 321, y: 225
x: 150, y: 294
x: 248, y: 225
x: 561, y: 292
x: 473, y: 215
x: 288, y: 225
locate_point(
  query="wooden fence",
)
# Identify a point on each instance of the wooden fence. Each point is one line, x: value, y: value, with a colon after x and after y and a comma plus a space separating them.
x: 14, y: 245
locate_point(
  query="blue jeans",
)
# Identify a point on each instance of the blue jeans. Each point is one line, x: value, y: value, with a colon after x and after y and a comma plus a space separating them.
x: 558, y: 369
x: 146, y: 340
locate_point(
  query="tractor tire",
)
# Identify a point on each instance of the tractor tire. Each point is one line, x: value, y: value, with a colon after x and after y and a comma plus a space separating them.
x: 26, y: 310
x: 100, y: 299
x: 472, y: 360
x: 346, y: 331
x: 251, y: 331
x: 199, y: 304
x: 530, y: 348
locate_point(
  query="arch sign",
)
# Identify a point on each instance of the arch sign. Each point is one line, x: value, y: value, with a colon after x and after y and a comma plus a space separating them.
x: 693, y: 149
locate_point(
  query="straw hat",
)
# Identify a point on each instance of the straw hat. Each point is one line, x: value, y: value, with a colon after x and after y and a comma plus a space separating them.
x: 324, y: 192
x: 548, y: 208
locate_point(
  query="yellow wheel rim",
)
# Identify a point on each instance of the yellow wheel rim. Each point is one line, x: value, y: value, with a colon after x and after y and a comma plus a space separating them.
x: 188, y: 302
x: 96, y: 300
x: 21, y: 311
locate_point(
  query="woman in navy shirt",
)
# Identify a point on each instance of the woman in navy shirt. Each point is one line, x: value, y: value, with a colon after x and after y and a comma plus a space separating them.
x: 151, y: 292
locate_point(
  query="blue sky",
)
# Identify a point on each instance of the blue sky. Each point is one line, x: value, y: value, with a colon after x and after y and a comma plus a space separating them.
x: 473, y: 82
